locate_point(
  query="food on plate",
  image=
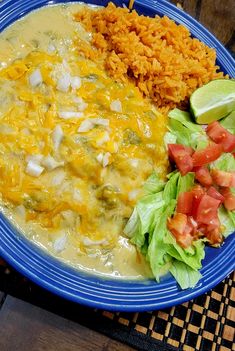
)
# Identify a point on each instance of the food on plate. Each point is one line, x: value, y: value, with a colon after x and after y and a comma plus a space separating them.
x: 161, y: 57
x: 213, y: 101
x: 174, y: 220
x: 87, y: 144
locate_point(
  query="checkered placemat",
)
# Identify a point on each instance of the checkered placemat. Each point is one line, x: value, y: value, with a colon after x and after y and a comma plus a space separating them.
x: 205, y: 323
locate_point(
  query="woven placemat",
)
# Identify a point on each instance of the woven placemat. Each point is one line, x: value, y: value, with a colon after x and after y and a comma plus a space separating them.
x: 205, y: 323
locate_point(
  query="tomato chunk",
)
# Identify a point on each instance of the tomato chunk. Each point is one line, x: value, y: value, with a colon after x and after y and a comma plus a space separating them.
x: 229, y: 199
x: 184, y: 202
x: 207, y: 209
x: 207, y: 155
x: 180, y: 229
x: 214, y: 236
x: 215, y: 194
x: 222, y: 136
x: 172, y: 148
x: 202, y: 174
x: 214, y: 224
x: 197, y: 192
x: 222, y: 178
x: 181, y: 155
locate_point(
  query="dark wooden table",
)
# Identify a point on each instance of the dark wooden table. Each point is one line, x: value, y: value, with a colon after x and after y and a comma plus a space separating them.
x: 24, y: 326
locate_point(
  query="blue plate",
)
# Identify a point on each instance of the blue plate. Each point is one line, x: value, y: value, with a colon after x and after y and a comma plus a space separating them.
x: 91, y: 290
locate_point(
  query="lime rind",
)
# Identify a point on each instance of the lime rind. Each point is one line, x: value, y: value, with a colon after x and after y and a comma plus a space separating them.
x: 213, y: 101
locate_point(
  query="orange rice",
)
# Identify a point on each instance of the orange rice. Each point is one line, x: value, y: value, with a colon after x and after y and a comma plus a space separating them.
x: 165, y: 62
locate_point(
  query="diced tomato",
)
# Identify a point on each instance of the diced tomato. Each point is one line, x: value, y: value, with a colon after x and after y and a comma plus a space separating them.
x: 184, y: 202
x: 193, y: 225
x: 222, y: 178
x: 207, y: 209
x: 229, y: 199
x: 215, y: 194
x: 197, y: 192
x: 214, y: 223
x: 222, y: 136
x: 214, y: 236
x: 172, y: 148
x: 202, y: 174
x: 180, y: 229
x: 207, y: 155
x: 181, y: 155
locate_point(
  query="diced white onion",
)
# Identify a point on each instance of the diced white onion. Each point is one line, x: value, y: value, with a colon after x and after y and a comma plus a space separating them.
x: 57, y: 136
x: 58, y: 178
x: 50, y: 163
x: 69, y: 217
x: 77, y: 195
x: 34, y: 158
x: 100, y: 121
x: 35, y: 78
x: 133, y: 194
x: 85, y: 126
x: 76, y: 82
x: 103, y: 140
x: 51, y: 48
x: 116, y: 106
x: 134, y: 162
x: 70, y: 114
x: 59, y: 243
x: 26, y: 131
x: 6, y: 129
x: 34, y: 169
x: 82, y: 105
x: 88, y: 242
x: 64, y: 82
x: 106, y: 159
x: 20, y: 211
x: 100, y: 158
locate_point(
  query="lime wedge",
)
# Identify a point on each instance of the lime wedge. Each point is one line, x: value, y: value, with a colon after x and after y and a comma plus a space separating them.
x: 213, y: 101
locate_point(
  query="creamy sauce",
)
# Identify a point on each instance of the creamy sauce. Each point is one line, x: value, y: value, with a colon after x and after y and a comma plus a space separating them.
x: 75, y: 146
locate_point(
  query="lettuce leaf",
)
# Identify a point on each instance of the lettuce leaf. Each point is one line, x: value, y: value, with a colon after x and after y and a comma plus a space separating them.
x: 170, y: 138
x: 185, y: 119
x: 185, y: 130
x: 226, y: 162
x: 140, y: 223
x: 229, y: 122
x: 185, y: 183
x: 227, y: 218
x: 153, y: 184
x: 157, y: 250
x: 186, y: 276
x: 170, y: 190
x: 192, y: 256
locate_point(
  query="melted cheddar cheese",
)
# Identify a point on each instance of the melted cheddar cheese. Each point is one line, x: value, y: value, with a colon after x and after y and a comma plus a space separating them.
x: 75, y: 146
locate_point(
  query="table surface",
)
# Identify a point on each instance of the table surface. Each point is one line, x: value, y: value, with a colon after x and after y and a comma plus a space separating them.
x: 23, y: 325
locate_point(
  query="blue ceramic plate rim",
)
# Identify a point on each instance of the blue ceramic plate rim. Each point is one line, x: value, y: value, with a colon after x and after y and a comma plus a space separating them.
x: 93, y: 290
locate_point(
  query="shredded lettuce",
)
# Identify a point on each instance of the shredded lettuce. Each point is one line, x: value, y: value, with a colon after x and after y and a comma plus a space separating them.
x: 185, y: 119
x: 185, y: 183
x: 227, y: 218
x: 140, y: 222
x: 226, y: 162
x: 228, y: 122
x: 147, y: 227
x: 170, y: 138
x: 157, y: 249
x: 185, y: 130
x: 153, y: 184
x: 186, y: 276
x: 170, y: 190
x: 191, y: 256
